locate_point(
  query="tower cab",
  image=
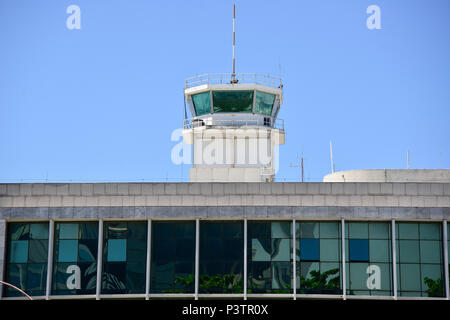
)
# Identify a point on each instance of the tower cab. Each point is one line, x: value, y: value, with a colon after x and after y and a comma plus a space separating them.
x: 234, y: 128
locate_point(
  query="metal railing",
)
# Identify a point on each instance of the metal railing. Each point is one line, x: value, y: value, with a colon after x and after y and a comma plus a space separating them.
x: 227, y: 78
x: 264, y: 122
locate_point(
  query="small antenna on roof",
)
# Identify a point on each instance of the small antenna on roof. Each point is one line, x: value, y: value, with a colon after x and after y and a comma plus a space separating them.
x: 233, y: 75
x: 331, y: 157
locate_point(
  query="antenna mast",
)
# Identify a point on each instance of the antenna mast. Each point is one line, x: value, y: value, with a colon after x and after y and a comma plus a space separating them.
x: 331, y: 157
x: 233, y: 75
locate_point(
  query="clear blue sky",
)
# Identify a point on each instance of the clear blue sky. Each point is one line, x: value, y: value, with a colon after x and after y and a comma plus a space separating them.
x: 100, y: 103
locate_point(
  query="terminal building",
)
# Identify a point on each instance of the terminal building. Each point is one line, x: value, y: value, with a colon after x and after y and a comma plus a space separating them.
x: 232, y: 231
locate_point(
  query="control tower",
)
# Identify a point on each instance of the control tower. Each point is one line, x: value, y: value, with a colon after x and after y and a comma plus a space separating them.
x: 234, y: 131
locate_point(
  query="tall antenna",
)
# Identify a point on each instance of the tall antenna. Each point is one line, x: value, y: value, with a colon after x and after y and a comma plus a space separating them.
x: 331, y: 157
x: 407, y: 156
x: 233, y: 75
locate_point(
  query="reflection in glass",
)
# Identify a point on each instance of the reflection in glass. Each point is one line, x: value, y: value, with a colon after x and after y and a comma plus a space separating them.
x: 420, y: 270
x: 173, y: 257
x: 75, y: 258
x: 369, y: 255
x: 221, y: 257
x: 264, y: 103
x: 269, y: 251
x: 233, y: 101
x: 26, y: 258
x: 318, y: 257
x: 202, y: 103
x: 124, y: 252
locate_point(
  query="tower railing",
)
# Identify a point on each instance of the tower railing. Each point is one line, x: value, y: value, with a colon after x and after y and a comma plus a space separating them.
x: 229, y: 78
x: 267, y: 122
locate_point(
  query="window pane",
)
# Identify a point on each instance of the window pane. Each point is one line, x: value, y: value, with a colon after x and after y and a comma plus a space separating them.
x: 17, y: 276
x: 379, y: 230
x: 88, y: 230
x: 329, y: 229
x: 309, y: 249
x: 358, y: 276
x: 281, y: 249
x: 19, y: 251
x: 358, y: 230
x: 410, y: 277
x: 37, y: 278
x: 408, y: 231
x: 260, y: 250
x: 309, y: 230
x: 39, y: 230
x: 380, y: 250
x: 137, y: 230
x: 117, y: 250
x: 359, y: 249
x: 233, y: 101
x: 87, y: 250
x: 19, y: 231
x: 259, y: 277
x: 430, y: 231
x: 67, y: 250
x: 221, y: 259
x: 173, y: 258
x: 135, y: 277
x: 264, y: 103
x: 38, y: 251
x: 329, y: 250
x: 116, y: 230
x: 114, y: 278
x: 202, y: 103
x: 409, y: 251
x: 68, y: 230
x: 281, y: 229
x: 430, y: 251
x: 281, y: 277
x: 432, y: 280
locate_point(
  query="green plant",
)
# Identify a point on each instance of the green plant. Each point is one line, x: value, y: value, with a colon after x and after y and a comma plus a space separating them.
x: 319, y: 281
x: 435, y: 287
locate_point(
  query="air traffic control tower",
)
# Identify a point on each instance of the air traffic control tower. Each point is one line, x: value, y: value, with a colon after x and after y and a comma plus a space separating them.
x: 234, y: 131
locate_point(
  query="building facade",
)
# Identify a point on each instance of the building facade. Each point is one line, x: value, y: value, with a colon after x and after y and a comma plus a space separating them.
x: 338, y: 240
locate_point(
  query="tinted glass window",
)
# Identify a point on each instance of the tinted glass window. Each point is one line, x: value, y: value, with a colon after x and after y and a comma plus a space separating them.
x: 233, y: 101
x: 264, y: 103
x: 202, y: 103
x: 26, y: 257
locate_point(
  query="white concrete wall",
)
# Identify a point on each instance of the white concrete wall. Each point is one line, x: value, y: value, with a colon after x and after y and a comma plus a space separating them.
x: 390, y: 175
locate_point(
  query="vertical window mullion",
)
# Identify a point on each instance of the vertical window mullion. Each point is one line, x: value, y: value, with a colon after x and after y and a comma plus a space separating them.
x: 197, y: 256
x: 344, y: 279
x: 99, y: 259
x: 148, y: 262
x: 294, y: 263
x: 446, y: 276
x: 394, y: 260
x: 49, y: 258
x: 245, y: 259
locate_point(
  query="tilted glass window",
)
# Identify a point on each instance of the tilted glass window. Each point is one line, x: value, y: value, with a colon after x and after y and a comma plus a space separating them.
x: 232, y: 101
x: 368, y: 258
x: 26, y: 262
x: 269, y: 257
x: 221, y: 257
x: 318, y: 256
x: 173, y: 257
x: 124, y: 257
x: 75, y: 258
x: 420, y: 270
x: 202, y: 103
x: 264, y: 103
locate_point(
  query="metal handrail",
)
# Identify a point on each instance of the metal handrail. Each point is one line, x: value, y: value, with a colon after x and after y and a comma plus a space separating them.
x: 197, y: 122
x: 227, y: 78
